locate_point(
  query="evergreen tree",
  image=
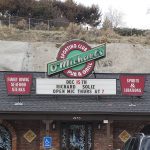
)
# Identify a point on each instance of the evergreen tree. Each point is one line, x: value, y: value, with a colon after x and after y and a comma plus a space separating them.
x: 52, y: 9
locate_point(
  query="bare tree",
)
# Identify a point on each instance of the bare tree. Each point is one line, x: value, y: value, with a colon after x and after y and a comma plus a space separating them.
x: 107, y: 24
x: 115, y: 17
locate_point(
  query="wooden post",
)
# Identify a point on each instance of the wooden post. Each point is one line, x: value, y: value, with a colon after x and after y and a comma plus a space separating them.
x: 108, y: 129
x: 48, y: 25
x: 47, y: 123
x: 47, y: 127
x: 9, y: 22
x: 29, y: 23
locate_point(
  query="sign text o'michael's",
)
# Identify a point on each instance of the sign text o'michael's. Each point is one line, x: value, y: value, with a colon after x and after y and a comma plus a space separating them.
x: 76, y: 59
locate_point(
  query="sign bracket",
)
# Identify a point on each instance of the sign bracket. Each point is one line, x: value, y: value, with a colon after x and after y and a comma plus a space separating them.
x: 19, y: 101
x: 59, y: 75
x: 93, y: 72
x: 132, y: 102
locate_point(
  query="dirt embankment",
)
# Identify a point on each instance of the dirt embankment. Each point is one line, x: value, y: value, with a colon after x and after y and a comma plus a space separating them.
x: 33, y: 56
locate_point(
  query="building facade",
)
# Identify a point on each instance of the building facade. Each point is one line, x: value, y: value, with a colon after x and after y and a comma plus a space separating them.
x: 74, y: 122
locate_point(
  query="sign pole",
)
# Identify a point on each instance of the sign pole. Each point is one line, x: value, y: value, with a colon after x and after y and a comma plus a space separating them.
x: 47, y: 140
x: 132, y: 103
x: 19, y: 99
x: 47, y: 128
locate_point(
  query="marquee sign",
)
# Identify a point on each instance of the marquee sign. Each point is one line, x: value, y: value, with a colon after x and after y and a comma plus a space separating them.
x: 132, y: 85
x: 18, y: 84
x: 76, y: 59
x: 76, y: 86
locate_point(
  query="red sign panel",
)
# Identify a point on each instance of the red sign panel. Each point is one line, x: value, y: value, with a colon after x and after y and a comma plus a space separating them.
x: 18, y: 84
x: 132, y: 85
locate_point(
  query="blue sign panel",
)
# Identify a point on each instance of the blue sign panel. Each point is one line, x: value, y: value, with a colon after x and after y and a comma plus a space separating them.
x: 47, y: 142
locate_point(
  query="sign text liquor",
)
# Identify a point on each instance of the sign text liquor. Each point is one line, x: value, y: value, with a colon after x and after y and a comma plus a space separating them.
x: 132, y: 85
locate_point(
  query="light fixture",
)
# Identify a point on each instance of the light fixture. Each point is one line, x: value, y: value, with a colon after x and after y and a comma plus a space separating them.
x: 105, y: 121
x: 99, y: 126
x: 18, y: 104
x: 53, y: 125
x: 132, y: 105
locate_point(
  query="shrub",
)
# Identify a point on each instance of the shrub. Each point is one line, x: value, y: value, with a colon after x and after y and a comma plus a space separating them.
x: 22, y: 24
x: 129, y: 31
x: 147, y: 35
x: 109, y: 33
x: 73, y: 30
x: 41, y: 26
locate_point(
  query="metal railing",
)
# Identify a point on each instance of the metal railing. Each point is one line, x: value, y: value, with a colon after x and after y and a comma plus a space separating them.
x: 32, y: 23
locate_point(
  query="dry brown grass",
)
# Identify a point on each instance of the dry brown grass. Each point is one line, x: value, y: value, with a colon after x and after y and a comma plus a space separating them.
x: 41, y: 26
x: 14, y: 34
x: 144, y: 40
x: 147, y: 35
x: 93, y: 36
x: 73, y: 31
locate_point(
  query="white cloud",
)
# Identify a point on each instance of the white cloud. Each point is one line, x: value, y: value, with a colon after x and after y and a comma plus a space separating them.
x: 135, y: 11
x: 148, y: 11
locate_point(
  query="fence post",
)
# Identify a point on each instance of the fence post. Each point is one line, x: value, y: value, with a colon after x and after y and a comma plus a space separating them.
x: 131, y: 31
x: 29, y: 23
x: 48, y: 25
x: 9, y: 22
